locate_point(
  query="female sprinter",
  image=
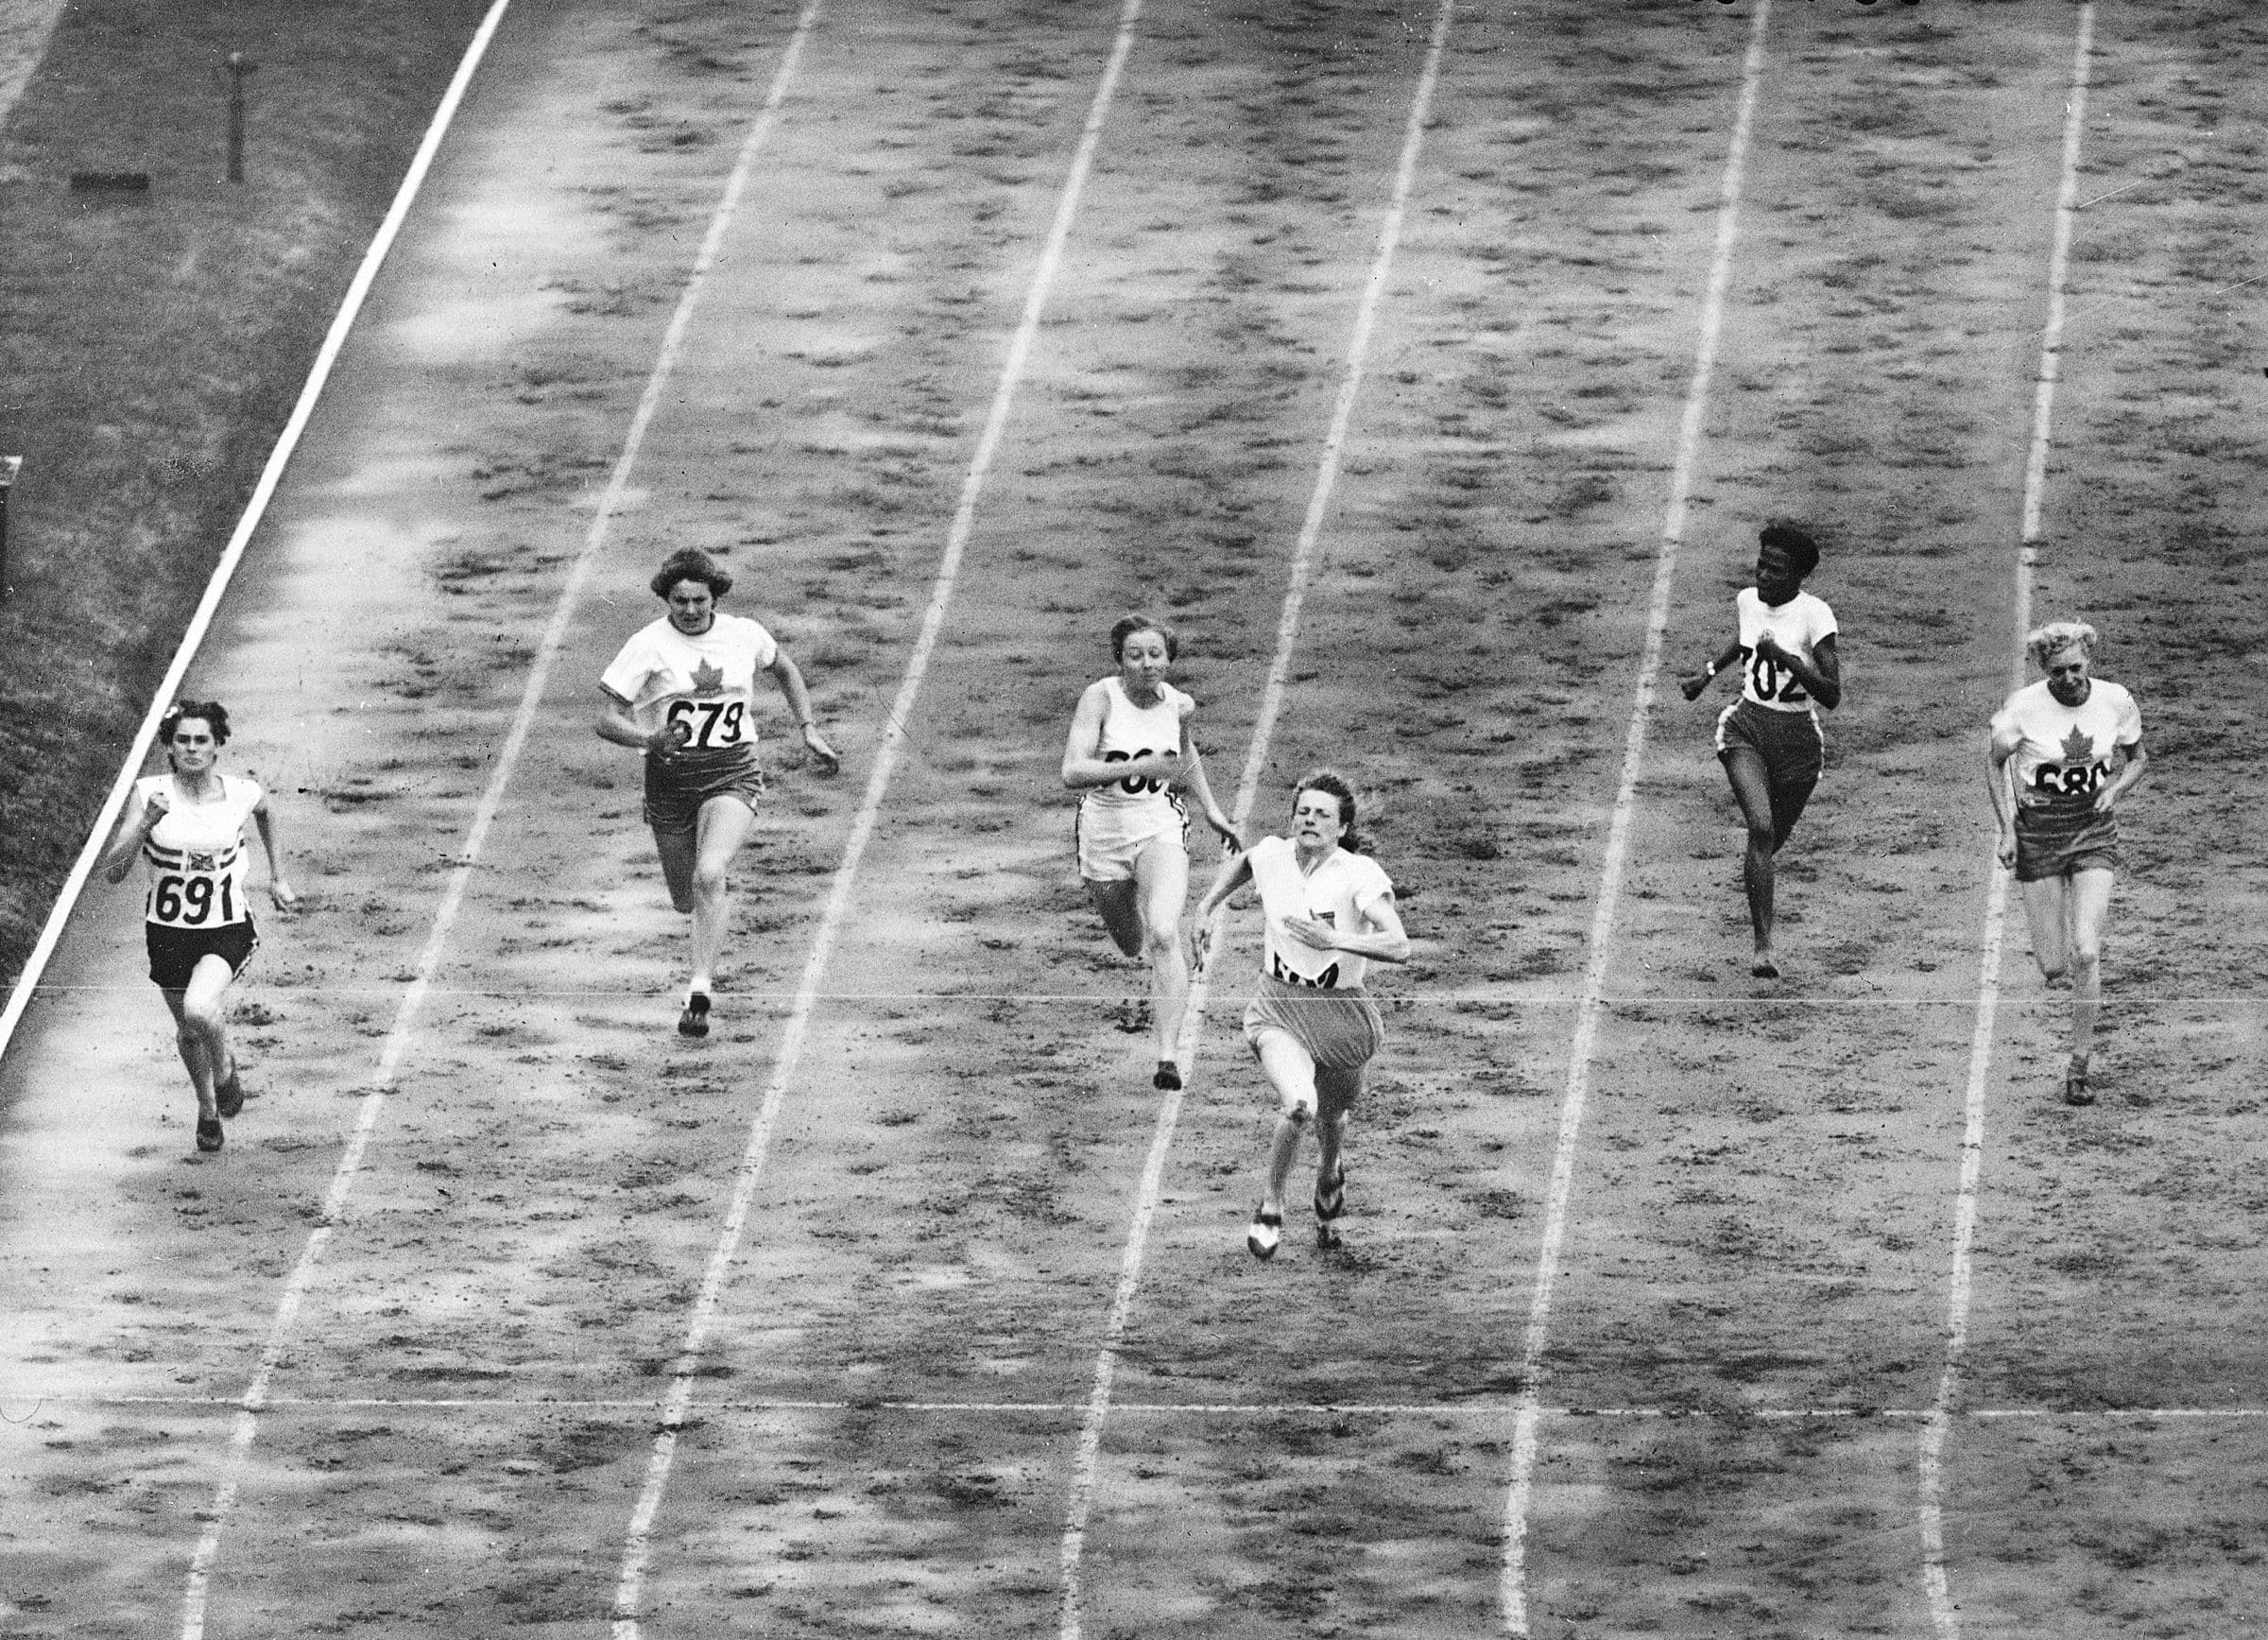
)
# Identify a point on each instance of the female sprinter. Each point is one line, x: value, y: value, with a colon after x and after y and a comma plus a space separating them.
x: 2064, y: 751
x: 188, y: 827
x: 1769, y: 740
x: 682, y: 691
x: 1129, y: 747
x: 1330, y: 912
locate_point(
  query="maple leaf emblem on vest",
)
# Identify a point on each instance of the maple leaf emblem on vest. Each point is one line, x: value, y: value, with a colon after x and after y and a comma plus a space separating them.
x: 710, y: 680
x: 2078, y: 745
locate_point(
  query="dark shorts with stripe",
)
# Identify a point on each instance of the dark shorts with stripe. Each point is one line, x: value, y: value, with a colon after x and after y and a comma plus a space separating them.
x: 675, y: 788
x: 174, y: 953
x: 1339, y: 1029
x: 1791, y: 743
x: 2053, y: 839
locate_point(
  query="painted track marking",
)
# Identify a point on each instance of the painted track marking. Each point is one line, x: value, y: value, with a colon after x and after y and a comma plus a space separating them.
x: 554, y: 637
x: 636, y: 1554
x: 1944, y: 1613
x: 201, y: 620
x: 1085, y: 1463
x: 1591, y: 1011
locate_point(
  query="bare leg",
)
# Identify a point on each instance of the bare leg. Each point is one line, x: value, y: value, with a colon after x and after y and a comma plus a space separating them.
x: 201, y: 1030
x: 2050, y: 920
x: 1121, y: 913
x: 2088, y: 904
x: 725, y: 825
x: 678, y: 850
x: 1744, y: 769
x: 1292, y: 1074
x: 1161, y: 875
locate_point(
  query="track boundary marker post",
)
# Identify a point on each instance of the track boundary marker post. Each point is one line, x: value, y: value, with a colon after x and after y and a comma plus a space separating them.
x: 1079, y: 1507
x: 246, y: 1429
x: 201, y: 620
x: 636, y: 1553
x: 1513, y: 1588
x: 1945, y: 1613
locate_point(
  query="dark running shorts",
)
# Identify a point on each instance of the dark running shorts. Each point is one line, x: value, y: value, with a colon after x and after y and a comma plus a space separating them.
x: 675, y: 790
x: 2054, y: 840
x: 174, y: 953
x: 1340, y: 1029
x: 1791, y: 744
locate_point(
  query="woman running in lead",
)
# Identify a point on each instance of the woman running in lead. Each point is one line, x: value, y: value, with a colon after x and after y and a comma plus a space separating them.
x: 1130, y: 745
x: 1769, y: 740
x: 682, y: 691
x: 188, y: 828
x: 2064, y: 751
x: 1329, y: 911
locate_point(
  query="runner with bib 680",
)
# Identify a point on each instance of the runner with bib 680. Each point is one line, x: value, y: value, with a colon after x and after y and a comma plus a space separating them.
x: 1130, y: 746
x: 2065, y: 751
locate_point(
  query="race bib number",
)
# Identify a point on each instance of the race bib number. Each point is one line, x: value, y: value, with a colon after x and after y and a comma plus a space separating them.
x: 710, y: 725
x: 1770, y: 681
x: 2067, y: 779
x: 1327, y: 980
x: 1133, y: 787
x: 180, y: 900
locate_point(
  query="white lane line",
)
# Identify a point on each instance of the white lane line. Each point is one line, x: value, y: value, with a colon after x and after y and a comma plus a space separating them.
x: 201, y: 621
x: 1513, y: 1587
x: 637, y: 1545
x: 1944, y: 1612
x: 1081, y: 1503
x: 444, y: 921
x: 1472, y: 1407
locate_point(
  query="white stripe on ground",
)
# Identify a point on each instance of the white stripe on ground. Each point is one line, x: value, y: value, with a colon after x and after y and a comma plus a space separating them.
x: 1086, y: 1461
x: 1513, y: 1591
x: 255, y: 509
x: 1466, y: 1406
x: 444, y: 921
x: 636, y: 1553
x: 1944, y: 1611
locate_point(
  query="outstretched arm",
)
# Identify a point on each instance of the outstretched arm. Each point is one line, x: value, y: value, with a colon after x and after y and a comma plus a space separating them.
x: 1998, y: 782
x: 616, y: 724
x: 133, y: 832
x: 1821, y: 676
x: 2128, y: 777
x: 785, y: 673
x: 1693, y: 685
x: 1083, y: 766
x: 1193, y: 777
x: 278, y: 891
x: 1381, y: 938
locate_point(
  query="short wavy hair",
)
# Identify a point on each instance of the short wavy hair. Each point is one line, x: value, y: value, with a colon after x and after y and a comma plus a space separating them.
x: 1332, y: 781
x: 2041, y: 642
x: 215, y: 717
x: 1137, y: 622
x: 691, y: 563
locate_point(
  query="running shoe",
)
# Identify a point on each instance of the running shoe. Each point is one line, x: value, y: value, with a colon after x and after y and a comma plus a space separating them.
x: 694, y: 1020
x: 1169, y: 1075
x: 229, y: 1094
x: 1265, y: 1233
x: 1331, y: 1197
x: 2076, y: 1091
x: 209, y: 1134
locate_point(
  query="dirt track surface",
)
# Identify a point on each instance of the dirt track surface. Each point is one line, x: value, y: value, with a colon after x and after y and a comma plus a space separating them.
x: 1751, y: 1296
